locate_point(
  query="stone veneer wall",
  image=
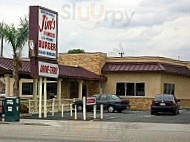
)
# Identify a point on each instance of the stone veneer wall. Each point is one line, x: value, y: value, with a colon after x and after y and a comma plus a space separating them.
x: 145, y: 103
x: 184, y: 102
x: 64, y: 89
x: 93, y: 88
x: 139, y: 103
x: 90, y: 61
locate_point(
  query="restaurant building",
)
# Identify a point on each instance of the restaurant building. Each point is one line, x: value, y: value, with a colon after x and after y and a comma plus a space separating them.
x: 138, y: 79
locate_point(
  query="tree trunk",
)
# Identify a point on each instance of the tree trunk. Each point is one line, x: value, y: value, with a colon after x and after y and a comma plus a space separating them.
x: 15, y: 76
x: 2, y: 46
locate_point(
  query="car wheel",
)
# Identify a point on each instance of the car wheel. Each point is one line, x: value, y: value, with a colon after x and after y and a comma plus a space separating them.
x: 79, y: 108
x: 111, y: 109
x: 152, y: 112
x: 175, y: 112
x: 119, y: 111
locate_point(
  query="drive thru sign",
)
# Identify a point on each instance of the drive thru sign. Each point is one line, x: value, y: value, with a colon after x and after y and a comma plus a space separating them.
x: 91, y: 101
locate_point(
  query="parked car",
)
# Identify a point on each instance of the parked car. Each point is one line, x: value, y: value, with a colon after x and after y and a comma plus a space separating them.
x: 165, y: 103
x: 111, y: 103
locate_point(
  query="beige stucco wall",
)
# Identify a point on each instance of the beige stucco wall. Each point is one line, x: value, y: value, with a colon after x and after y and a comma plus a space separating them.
x: 90, y: 61
x: 152, y: 82
x: 93, y: 88
x: 182, y: 84
x: 11, y: 86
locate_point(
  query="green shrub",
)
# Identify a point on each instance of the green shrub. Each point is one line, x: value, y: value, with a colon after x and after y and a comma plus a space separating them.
x: 76, y: 51
x: 24, y: 108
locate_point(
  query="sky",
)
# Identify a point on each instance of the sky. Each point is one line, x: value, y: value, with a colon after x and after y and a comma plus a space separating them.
x: 135, y: 27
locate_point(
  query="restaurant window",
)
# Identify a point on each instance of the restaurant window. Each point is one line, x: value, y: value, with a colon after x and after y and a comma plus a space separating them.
x: 120, y: 89
x: 169, y: 88
x: 130, y: 89
x: 52, y: 88
x: 27, y: 88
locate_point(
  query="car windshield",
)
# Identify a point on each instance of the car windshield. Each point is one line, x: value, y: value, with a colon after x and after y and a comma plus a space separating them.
x: 97, y: 96
x: 114, y: 97
x: 164, y: 97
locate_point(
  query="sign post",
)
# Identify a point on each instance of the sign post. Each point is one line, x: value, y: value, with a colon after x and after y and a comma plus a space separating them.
x: 91, y: 101
x: 43, y: 52
x: 84, y: 108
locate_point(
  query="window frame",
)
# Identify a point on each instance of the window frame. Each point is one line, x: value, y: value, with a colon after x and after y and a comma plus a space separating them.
x: 27, y: 95
x: 170, y: 87
x: 135, y: 87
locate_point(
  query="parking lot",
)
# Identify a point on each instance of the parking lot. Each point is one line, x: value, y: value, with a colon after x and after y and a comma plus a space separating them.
x: 126, y: 116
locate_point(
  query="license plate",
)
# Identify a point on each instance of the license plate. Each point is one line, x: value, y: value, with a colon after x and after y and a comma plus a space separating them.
x: 162, y: 104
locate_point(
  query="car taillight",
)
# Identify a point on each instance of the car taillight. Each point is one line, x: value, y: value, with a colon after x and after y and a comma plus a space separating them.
x: 153, y: 103
x: 171, y: 103
x: 124, y: 102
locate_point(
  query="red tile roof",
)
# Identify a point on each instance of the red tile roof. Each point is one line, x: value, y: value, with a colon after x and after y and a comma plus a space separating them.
x: 78, y: 72
x: 144, y: 67
x: 64, y: 71
x: 6, y: 65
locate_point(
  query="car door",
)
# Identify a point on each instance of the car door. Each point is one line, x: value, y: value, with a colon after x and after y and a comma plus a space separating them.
x: 102, y: 100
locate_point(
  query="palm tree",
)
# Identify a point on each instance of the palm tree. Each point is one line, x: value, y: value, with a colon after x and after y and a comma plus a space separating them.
x: 17, y: 38
x: 2, y: 35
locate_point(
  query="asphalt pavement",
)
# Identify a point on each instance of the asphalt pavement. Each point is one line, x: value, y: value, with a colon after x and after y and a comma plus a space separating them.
x: 125, y: 116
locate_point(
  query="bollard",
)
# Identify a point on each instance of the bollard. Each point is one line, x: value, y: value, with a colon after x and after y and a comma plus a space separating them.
x: 3, y: 117
x: 52, y: 109
x: 75, y: 112
x: 94, y: 107
x: 54, y: 101
x: 84, y: 108
x: 101, y: 111
x: 62, y: 110
x: 71, y: 109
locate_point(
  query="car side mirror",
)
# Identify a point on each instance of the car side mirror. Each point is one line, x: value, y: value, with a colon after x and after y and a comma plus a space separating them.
x: 177, y: 100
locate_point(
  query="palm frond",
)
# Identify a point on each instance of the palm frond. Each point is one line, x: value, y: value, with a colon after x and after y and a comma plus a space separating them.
x: 22, y: 34
x: 10, y: 36
x: 2, y: 29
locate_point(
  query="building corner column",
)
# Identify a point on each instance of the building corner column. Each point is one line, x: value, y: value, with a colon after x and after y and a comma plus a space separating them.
x: 45, y: 97
x: 59, y: 84
x: 7, y: 85
x: 80, y: 84
x: 35, y: 98
x: 40, y: 97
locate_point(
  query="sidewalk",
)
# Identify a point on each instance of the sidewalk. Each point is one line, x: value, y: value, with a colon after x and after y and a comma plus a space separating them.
x: 106, y: 125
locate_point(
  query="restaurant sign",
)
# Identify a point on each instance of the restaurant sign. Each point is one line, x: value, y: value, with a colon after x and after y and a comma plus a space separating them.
x: 47, y: 34
x: 48, y: 69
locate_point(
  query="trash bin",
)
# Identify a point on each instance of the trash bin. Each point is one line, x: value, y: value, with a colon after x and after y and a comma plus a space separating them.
x: 12, y: 109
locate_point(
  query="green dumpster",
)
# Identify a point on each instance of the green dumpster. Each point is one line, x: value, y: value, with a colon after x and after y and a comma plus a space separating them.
x: 12, y: 109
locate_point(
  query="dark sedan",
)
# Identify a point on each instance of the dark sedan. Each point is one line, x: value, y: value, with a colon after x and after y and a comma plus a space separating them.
x: 165, y: 103
x: 111, y: 103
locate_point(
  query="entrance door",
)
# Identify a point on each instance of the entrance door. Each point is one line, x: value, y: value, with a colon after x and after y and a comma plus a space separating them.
x: 84, y: 90
x: 73, y: 89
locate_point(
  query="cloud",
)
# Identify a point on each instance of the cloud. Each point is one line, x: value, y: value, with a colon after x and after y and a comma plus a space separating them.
x: 158, y: 28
